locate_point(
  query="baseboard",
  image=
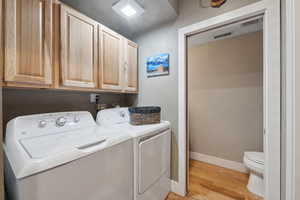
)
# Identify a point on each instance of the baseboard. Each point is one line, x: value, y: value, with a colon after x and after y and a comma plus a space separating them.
x: 219, y: 162
x: 177, y: 188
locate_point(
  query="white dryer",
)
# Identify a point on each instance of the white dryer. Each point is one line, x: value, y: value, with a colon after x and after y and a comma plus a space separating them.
x: 151, y: 144
x: 66, y: 156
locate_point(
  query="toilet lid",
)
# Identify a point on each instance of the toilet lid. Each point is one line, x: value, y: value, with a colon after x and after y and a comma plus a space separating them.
x: 257, y: 157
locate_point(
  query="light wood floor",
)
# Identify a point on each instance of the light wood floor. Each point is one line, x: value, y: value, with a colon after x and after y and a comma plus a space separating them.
x: 209, y: 182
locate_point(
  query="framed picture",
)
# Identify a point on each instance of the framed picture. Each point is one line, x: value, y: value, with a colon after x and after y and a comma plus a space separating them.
x: 158, y: 65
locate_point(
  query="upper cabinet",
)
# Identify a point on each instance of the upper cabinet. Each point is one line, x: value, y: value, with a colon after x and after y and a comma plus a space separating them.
x: 28, y: 42
x: 50, y: 45
x: 111, y: 59
x: 79, y: 49
x: 131, y: 66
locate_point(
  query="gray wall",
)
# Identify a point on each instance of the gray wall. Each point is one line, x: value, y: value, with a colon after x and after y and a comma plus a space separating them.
x: 174, y: 4
x: 225, y: 95
x: 163, y: 90
x: 1, y: 152
x: 18, y: 102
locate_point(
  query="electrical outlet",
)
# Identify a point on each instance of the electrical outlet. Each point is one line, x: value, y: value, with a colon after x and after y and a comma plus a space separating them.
x: 94, y: 97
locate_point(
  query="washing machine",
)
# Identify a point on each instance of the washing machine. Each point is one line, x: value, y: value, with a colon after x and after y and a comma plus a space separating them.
x: 151, y: 145
x: 66, y: 156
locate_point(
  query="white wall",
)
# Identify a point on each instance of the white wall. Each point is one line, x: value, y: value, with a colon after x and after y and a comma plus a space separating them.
x: 163, y: 90
x: 225, y: 95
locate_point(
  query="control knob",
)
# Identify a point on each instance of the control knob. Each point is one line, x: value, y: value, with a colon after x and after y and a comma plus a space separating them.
x: 61, y: 121
x: 42, y: 123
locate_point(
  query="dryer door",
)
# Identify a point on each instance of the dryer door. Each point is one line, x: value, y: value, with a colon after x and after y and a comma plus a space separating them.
x: 154, y: 159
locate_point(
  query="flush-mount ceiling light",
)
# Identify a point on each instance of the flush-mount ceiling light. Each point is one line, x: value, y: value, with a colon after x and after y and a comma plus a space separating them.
x: 128, y: 8
x: 128, y: 11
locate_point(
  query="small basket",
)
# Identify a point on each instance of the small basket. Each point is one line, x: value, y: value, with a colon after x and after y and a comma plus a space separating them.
x: 144, y: 115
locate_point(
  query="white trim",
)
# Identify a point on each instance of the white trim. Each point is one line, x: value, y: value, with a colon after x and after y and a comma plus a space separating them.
x: 175, y: 187
x: 182, y: 170
x: 289, y: 107
x: 271, y: 11
x: 229, y: 164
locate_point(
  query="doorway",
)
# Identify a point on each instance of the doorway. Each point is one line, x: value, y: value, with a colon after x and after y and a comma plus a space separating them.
x: 270, y: 12
x: 225, y: 110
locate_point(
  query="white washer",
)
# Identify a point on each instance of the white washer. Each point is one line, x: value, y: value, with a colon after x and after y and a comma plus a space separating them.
x: 151, y: 144
x: 66, y: 156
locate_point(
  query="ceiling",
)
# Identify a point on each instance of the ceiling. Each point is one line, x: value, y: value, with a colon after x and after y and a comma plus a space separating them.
x: 157, y: 12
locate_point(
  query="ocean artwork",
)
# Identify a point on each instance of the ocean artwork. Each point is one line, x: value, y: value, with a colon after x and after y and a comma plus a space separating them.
x: 158, y: 65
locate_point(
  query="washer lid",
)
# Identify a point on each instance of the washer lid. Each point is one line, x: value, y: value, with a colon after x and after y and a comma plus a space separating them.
x: 258, y: 157
x: 44, y: 146
x: 32, y: 147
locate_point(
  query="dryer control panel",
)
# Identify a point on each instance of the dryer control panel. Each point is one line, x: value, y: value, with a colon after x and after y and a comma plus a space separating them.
x: 113, y: 116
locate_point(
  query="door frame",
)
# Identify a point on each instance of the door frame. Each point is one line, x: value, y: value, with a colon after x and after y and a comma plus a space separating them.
x: 270, y: 9
x: 289, y: 97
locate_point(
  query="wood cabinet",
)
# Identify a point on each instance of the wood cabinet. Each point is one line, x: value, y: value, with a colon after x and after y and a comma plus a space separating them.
x: 79, y: 49
x: 131, y: 66
x: 50, y: 45
x: 111, y: 59
x: 28, y: 42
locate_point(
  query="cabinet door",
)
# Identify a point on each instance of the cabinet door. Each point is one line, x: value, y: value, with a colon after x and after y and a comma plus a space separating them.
x: 131, y: 67
x: 79, y: 44
x: 28, y: 41
x: 112, y: 59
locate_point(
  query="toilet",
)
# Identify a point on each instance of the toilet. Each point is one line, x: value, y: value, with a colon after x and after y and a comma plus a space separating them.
x: 255, y: 161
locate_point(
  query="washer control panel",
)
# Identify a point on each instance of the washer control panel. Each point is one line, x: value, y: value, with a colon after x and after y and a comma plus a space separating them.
x: 58, y: 120
x: 51, y: 123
